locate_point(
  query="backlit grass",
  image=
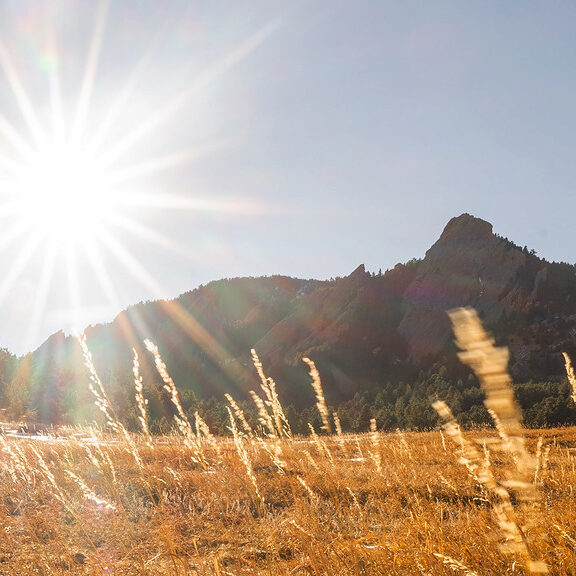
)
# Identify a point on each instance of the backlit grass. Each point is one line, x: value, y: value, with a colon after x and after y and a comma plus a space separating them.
x: 369, y: 504
x: 266, y: 502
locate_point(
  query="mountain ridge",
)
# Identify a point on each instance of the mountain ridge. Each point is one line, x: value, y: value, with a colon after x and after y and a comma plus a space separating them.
x: 363, y: 330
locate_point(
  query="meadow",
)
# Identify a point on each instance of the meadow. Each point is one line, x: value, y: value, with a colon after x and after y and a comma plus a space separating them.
x: 371, y: 504
x: 262, y: 501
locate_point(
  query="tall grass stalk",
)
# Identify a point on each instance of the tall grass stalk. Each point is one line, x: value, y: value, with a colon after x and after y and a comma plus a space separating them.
x: 141, y: 402
x: 264, y: 417
x: 282, y: 426
x: 180, y: 418
x: 320, y: 400
x: 239, y: 413
x: 374, y: 452
x: 246, y: 461
x: 490, y: 365
x: 570, y: 374
x: 455, y: 565
x: 88, y: 493
x: 103, y: 403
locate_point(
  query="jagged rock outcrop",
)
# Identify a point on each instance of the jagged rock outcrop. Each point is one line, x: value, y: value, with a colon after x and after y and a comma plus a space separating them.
x: 317, y: 321
x: 467, y: 266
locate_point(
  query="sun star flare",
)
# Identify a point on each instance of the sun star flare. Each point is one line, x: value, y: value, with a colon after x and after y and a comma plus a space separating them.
x: 62, y: 194
x: 80, y: 201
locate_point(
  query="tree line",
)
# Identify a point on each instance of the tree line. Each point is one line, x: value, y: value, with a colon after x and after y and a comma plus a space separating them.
x: 62, y: 396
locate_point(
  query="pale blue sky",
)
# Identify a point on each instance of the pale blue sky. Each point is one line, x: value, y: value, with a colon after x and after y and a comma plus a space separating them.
x: 321, y: 135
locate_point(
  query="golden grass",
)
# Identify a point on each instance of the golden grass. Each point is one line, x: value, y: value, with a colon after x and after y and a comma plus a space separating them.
x: 77, y: 505
x: 266, y: 503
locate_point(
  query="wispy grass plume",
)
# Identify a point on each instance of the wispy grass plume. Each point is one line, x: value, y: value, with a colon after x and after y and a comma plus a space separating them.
x: 180, y: 418
x: 570, y: 374
x: 320, y: 400
x: 490, y: 364
x: 105, y: 405
x: 239, y: 413
x: 246, y: 460
x: 268, y: 386
x: 141, y: 402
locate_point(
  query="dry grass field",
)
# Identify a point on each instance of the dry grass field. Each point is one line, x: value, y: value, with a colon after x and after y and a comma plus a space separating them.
x: 371, y: 504
x: 265, y: 502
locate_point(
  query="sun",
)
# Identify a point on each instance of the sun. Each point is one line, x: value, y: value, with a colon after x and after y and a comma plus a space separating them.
x: 81, y: 199
x: 63, y: 193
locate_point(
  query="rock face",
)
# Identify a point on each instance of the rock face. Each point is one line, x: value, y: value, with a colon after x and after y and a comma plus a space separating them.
x: 316, y: 322
x: 467, y: 266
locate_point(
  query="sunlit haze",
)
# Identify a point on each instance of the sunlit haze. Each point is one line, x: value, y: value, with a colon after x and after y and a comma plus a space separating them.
x: 148, y: 147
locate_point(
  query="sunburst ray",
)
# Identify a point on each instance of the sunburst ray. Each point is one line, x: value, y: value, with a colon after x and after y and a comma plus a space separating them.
x: 18, y: 230
x: 96, y: 261
x: 65, y: 189
x: 167, y: 201
x: 148, y: 234
x: 102, y: 131
x: 56, y: 109
x: 41, y: 299
x: 89, y: 73
x: 175, y: 104
x: 73, y: 284
x: 125, y: 257
x: 15, y: 138
x: 159, y: 164
x: 21, y: 97
x: 20, y: 262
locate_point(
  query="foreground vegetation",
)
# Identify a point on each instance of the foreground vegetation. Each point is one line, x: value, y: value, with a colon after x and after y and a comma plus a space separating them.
x: 370, y: 504
x: 264, y: 501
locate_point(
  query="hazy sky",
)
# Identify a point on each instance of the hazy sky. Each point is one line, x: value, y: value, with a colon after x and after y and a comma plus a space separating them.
x: 256, y: 138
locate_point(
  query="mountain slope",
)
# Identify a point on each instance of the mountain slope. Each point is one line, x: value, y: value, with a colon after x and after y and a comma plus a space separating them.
x: 362, y: 330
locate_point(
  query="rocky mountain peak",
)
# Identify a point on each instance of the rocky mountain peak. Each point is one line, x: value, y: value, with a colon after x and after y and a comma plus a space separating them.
x: 467, y: 266
x: 466, y: 227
